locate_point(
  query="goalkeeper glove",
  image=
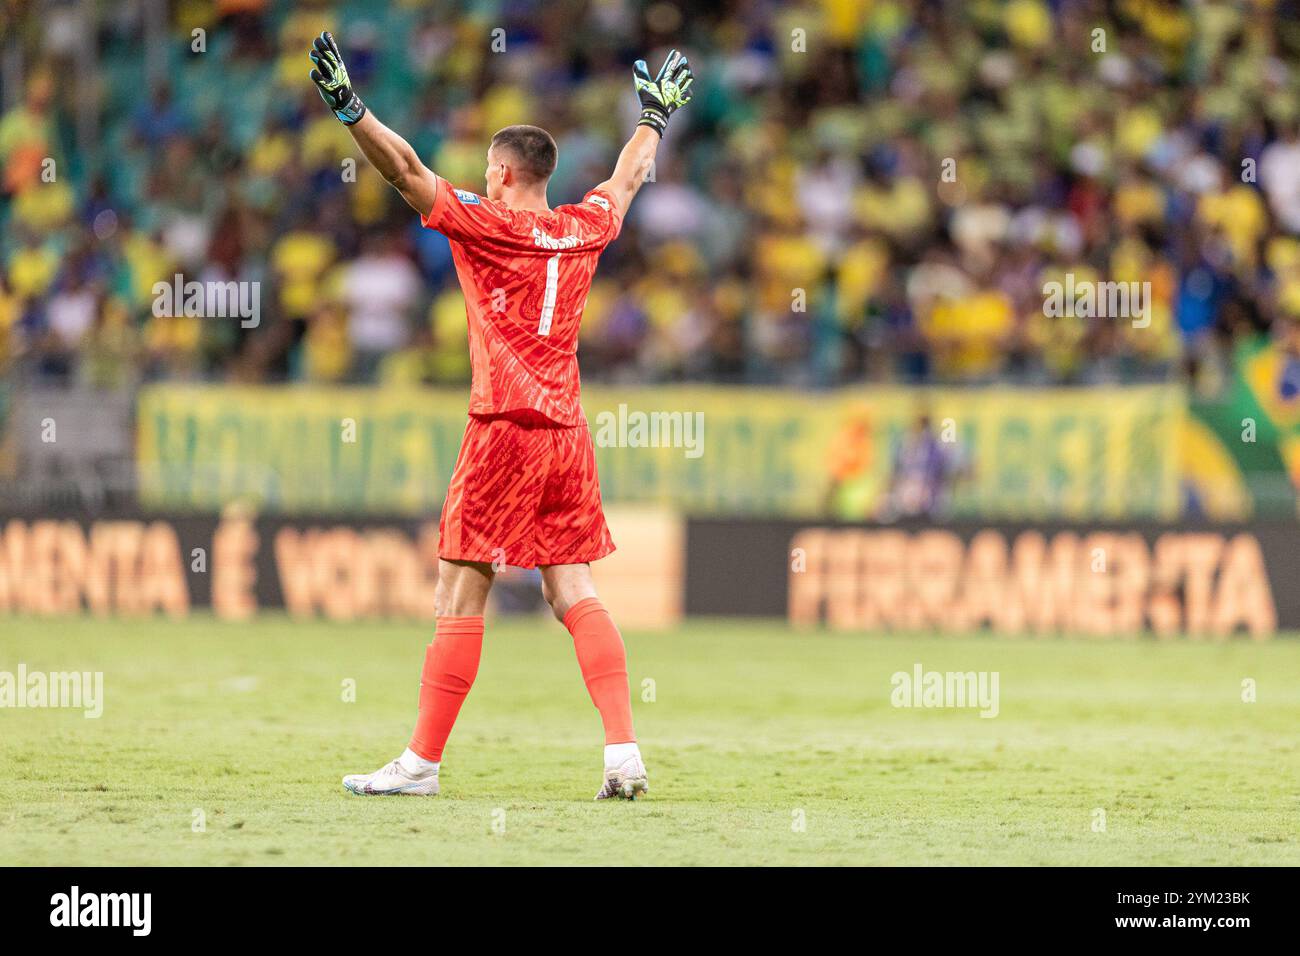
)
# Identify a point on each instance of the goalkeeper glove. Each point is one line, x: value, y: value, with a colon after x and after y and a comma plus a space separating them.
x: 331, y: 79
x: 665, y: 93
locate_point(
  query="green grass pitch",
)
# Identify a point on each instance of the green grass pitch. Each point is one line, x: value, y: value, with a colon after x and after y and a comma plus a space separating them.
x: 764, y: 747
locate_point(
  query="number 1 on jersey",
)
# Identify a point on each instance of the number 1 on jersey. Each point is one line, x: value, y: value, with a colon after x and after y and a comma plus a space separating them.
x: 548, y: 300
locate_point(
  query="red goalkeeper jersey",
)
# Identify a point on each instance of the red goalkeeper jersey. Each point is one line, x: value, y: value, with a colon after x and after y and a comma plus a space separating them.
x: 525, y: 276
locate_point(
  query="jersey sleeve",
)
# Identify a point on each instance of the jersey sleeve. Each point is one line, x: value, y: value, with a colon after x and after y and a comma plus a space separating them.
x: 464, y: 216
x: 600, y: 213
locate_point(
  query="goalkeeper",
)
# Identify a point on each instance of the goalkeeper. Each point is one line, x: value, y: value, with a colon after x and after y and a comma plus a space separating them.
x: 524, y: 491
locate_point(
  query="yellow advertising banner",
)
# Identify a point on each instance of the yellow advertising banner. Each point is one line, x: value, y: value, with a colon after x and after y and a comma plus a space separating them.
x: 1094, y: 453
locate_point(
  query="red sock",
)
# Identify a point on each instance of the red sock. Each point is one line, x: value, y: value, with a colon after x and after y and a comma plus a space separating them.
x: 603, y: 660
x: 450, y: 665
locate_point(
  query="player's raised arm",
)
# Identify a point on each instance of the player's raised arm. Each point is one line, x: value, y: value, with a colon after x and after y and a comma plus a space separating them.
x: 393, y: 156
x: 660, y: 98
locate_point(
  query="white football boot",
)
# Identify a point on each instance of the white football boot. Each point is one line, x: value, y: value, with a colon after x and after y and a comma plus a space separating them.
x: 626, y: 781
x: 393, y: 780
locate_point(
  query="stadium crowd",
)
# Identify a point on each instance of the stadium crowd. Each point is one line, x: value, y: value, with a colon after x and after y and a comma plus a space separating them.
x: 862, y: 190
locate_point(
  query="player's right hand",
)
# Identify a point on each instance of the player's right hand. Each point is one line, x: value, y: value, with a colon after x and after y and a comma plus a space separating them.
x: 664, y: 94
x: 331, y: 79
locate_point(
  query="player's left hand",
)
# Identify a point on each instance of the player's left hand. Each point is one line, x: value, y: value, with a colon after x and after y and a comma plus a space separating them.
x: 664, y: 94
x: 331, y: 79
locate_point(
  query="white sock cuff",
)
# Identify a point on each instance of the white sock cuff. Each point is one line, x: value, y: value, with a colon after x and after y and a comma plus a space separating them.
x: 413, y: 763
x: 615, y: 754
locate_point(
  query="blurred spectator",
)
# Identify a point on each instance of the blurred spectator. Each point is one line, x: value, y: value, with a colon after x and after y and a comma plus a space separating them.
x: 380, y: 288
x: 924, y: 470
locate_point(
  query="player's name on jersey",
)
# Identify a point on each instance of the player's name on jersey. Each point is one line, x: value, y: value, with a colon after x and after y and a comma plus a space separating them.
x: 544, y: 241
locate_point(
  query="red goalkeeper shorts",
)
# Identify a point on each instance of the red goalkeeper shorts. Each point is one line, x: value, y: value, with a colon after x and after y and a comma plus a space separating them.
x: 524, y: 495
